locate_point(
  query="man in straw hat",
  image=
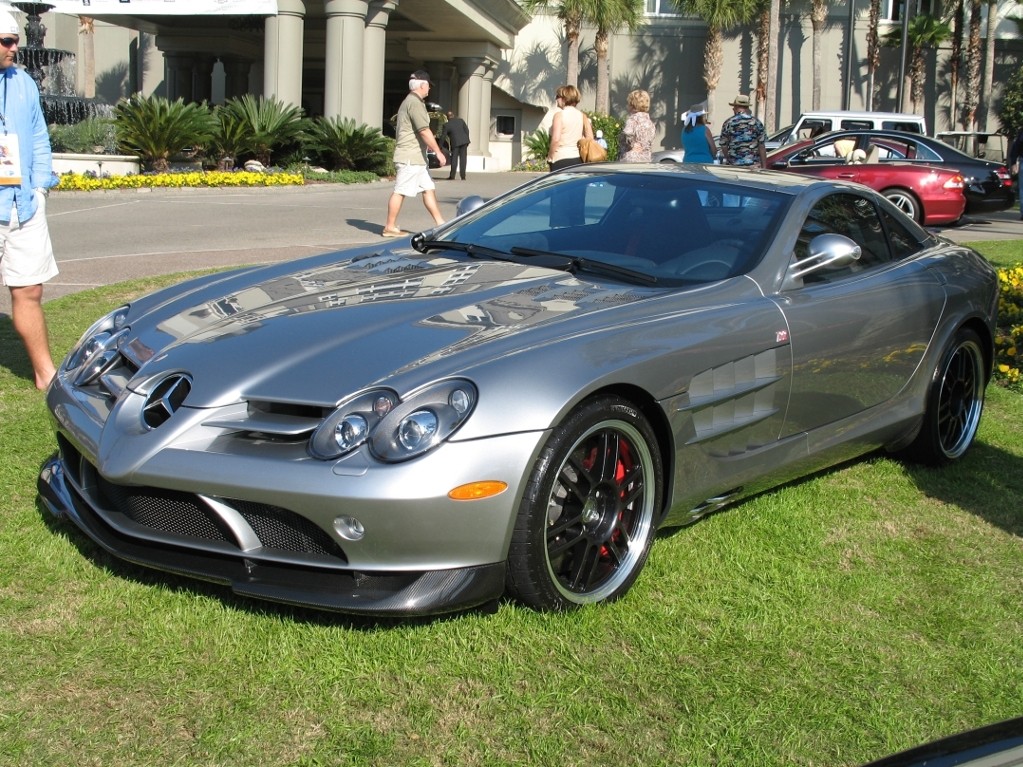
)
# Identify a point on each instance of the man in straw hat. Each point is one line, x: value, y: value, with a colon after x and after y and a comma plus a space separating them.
x: 26, y: 174
x: 743, y: 136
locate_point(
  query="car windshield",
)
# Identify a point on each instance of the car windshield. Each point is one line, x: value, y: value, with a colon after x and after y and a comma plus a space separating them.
x: 651, y: 228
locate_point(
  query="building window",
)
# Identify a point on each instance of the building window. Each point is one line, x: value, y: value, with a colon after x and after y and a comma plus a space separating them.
x: 891, y: 10
x: 662, y: 8
x: 505, y: 125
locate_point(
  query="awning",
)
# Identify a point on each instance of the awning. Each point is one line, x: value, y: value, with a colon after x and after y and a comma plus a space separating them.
x: 166, y: 7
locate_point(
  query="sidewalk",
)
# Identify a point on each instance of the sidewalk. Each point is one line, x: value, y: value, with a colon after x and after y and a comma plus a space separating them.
x: 108, y: 237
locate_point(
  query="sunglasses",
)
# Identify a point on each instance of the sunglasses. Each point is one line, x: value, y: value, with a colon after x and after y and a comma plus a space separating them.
x: 7, y: 42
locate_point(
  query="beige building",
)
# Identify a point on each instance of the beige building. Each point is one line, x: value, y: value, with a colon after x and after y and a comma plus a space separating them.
x: 493, y: 64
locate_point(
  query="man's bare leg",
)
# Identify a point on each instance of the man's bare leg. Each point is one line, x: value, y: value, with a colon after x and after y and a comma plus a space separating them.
x: 393, y: 209
x: 430, y: 201
x: 30, y: 322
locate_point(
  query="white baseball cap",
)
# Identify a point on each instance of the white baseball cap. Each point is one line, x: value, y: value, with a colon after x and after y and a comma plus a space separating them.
x: 8, y: 24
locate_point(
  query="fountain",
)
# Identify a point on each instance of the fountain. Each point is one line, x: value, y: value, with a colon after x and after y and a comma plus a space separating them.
x: 52, y: 69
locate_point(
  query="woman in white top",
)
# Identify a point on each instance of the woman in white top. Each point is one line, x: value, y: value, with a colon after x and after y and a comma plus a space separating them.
x: 570, y: 125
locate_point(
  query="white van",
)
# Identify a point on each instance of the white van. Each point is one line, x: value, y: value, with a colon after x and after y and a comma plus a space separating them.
x: 812, y: 123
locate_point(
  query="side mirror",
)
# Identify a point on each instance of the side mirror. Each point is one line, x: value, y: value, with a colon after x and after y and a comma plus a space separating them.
x: 826, y: 251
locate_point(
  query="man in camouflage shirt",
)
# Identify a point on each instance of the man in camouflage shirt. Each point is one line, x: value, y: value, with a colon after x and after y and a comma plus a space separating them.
x: 743, y: 136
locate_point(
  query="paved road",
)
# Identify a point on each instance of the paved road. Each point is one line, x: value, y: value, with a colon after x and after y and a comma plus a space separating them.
x: 106, y: 237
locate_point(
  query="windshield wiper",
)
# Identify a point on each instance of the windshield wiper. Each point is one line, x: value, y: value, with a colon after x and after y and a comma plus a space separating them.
x: 422, y: 244
x: 575, y: 264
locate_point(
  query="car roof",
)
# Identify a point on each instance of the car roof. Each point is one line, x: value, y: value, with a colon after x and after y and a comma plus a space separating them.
x: 865, y: 115
x: 946, y: 150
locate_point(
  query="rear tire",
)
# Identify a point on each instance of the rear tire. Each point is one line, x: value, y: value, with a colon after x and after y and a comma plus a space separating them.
x: 954, y: 403
x: 586, y: 523
x: 906, y: 202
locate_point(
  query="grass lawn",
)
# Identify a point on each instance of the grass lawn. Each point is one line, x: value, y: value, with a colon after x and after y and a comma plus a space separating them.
x: 858, y: 612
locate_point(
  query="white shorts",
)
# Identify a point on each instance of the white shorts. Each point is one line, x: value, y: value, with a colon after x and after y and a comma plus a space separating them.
x: 26, y: 254
x: 410, y: 180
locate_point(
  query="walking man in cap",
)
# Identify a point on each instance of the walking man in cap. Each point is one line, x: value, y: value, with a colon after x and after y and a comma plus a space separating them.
x: 412, y: 138
x: 743, y: 136
x: 26, y: 255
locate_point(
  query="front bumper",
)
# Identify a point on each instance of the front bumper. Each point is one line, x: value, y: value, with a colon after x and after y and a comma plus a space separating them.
x: 328, y: 587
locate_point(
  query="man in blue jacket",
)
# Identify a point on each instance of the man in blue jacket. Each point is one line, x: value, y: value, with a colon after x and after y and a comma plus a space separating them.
x: 26, y: 174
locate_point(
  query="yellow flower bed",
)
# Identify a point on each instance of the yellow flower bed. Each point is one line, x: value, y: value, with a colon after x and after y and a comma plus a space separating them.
x: 1009, y: 333
x: 75, y: 182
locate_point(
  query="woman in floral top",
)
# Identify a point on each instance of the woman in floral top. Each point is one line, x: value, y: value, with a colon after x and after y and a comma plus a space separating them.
x: 637, y: 136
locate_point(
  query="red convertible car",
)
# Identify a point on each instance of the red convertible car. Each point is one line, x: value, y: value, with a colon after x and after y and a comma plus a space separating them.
x: 928, y: 194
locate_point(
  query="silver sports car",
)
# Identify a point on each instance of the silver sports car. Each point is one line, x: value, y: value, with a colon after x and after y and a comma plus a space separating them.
x: 515, y: 402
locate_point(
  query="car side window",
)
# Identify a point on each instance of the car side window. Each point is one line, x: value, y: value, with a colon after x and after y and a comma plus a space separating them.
x: 926, y: 154
x: 903, y: 242
x: 852, y: 216
x: 895, y: 149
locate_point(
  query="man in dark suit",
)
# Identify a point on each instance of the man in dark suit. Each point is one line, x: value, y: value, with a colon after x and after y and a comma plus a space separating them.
x: 456, y: 133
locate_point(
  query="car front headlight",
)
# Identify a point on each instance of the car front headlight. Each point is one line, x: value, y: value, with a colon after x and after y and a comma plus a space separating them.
x: 395, y: 429
x: 98, y: 346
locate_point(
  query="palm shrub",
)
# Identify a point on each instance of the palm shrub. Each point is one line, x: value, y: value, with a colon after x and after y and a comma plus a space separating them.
x: 229, y: 140
x: 538, y: 145
x: 344, y: 145
x: 156, y: 129
x: 269, y: 125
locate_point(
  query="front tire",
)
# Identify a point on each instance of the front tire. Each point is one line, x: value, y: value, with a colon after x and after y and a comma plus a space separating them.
x: 587, y: 521
x: 954, y: 403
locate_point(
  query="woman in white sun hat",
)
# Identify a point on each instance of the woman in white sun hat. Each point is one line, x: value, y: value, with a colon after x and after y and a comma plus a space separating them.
x: 26, y: 174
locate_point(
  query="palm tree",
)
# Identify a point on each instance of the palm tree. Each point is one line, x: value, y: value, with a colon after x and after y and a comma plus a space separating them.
x: 570, y: 12
x: 818, y: 17
x: 609, y: 16
x: 973, y: 56
x: 763, y: 56
x: 989, y: 64
x: 86, y: 28
x: 924, y: 33
x: 720, y: 16
x: 955, y: 59
x: 873, y: 52
x: 772, y: 64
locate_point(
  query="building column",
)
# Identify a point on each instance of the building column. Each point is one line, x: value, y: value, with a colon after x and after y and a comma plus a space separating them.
x: 202, y: 78
x: 374, y: 46
x: 343, y: 76
x: 283, y: 50
x: 445, y: 88
x: 470, y: 103
x: 486, y: 107
x: 236, y: 76
x: 178, y: 73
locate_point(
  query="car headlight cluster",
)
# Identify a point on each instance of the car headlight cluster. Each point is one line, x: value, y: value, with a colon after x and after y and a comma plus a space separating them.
x: 98, y: 347
x: 395, y: 429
